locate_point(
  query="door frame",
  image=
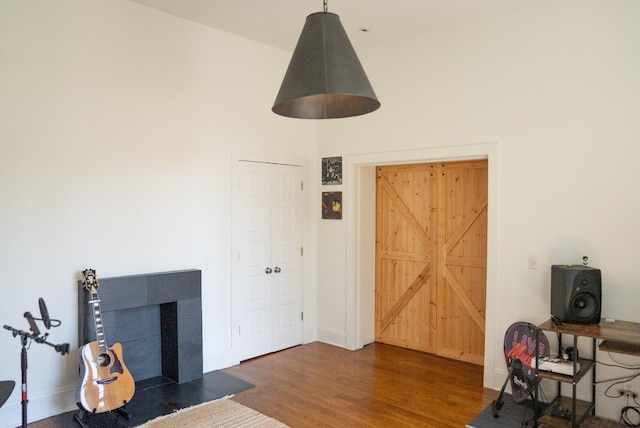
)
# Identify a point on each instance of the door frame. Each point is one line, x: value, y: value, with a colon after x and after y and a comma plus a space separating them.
x: 359, y: 172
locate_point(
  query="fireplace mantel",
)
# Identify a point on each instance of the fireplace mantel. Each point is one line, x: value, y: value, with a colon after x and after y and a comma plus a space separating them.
x: 156, y: 317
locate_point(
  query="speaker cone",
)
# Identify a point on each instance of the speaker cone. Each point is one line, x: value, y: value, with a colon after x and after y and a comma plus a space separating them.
x: 584, y: 306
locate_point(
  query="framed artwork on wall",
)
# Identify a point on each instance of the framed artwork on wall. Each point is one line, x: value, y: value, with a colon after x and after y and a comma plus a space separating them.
x: 332, y: 170
x: 332, y: 205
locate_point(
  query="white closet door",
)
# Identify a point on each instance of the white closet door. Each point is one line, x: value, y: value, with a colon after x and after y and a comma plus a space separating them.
x: 267, y: 263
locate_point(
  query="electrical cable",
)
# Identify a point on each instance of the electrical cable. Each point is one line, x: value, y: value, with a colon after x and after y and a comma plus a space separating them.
x: 618, y: 366
x: 618, y: 381
x: 541, y: 400
x: 622, y: 365
x: 625, y: 417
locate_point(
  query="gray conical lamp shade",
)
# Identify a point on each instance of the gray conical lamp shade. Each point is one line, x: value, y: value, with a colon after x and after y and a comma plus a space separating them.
x: 325, y: 79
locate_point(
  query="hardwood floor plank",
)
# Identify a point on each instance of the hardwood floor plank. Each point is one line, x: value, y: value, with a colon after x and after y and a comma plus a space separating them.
x: 380, y: 385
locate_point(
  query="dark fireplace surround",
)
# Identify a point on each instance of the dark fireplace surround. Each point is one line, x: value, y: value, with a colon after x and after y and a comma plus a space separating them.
x: 157, y: 318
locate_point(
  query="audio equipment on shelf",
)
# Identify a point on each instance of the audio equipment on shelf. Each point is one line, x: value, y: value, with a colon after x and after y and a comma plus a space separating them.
x: 561, y: 412
x: 556, y: 365
x: 576, y: 294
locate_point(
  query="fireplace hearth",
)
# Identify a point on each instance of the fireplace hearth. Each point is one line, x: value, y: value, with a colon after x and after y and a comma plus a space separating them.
x: 157, y: 318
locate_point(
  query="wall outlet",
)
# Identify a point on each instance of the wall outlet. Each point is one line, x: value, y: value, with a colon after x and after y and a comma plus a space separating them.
x: 533, y: 262
x: 627, y: 391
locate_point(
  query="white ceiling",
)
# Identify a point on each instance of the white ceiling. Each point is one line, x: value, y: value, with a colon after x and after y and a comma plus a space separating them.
x: 279, y: 22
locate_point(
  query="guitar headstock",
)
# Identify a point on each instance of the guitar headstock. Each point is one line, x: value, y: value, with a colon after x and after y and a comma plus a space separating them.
x: 90, y: 280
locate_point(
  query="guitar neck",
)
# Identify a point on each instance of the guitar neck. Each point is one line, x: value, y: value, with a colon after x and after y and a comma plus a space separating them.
x: 97, y: 318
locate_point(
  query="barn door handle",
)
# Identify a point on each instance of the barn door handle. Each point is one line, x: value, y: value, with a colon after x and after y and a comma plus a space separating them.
x: 277, y: 269
x: 268, y: 270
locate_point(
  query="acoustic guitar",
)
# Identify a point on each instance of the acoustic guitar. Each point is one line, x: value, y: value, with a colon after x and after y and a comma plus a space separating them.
x: 104, y: 383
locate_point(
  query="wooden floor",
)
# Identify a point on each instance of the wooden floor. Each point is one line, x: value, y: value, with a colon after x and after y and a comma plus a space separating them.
x: 319, y: 385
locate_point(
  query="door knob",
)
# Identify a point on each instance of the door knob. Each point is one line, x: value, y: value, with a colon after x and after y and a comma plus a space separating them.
x: 277, y: 269
x: 268, y: 270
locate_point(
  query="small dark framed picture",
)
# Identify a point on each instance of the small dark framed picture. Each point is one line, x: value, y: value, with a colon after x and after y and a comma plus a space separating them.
x: 332, y: 205
x: 332, y: 170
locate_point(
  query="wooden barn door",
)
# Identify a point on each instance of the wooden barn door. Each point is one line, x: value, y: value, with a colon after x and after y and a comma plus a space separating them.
x: 431, y: 246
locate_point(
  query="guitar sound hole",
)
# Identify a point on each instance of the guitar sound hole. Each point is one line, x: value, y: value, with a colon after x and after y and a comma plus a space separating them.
x: 103, y: 360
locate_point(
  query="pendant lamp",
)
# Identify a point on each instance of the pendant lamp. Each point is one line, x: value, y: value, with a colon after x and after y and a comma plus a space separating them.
x: 325, y: 79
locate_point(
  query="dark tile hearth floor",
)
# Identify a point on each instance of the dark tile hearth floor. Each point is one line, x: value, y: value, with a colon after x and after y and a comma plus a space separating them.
x: 155, y: 397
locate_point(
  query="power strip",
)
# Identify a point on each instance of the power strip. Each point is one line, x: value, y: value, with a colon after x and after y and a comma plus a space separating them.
x: 556, y: 365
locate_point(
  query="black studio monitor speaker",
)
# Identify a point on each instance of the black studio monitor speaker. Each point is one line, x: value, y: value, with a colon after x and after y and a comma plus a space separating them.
x: 576, y: 294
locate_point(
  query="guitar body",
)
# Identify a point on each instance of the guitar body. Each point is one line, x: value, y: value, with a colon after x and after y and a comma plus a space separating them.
x: 104, y: 383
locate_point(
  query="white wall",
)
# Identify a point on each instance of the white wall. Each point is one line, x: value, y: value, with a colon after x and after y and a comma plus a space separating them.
x: 557, y: 89
x: 117, y: 124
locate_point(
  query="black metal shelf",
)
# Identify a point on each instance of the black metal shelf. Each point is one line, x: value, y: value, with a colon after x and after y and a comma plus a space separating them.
x: 578, y: 409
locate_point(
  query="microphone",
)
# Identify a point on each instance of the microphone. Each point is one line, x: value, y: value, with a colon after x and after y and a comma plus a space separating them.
x: 32, y: 324
x: 44, y: 313
x: 62, y: 348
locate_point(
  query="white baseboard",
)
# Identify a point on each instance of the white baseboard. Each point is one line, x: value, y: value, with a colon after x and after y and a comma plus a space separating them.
x: 217, y: 360
x: 332, y: 337
x: 39, y: 406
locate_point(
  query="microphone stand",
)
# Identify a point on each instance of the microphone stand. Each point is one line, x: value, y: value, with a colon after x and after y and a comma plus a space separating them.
x: 24, y: 338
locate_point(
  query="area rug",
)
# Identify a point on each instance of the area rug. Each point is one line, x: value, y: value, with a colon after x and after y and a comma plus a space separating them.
x: 222, y: 413
x: 513, y: 415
